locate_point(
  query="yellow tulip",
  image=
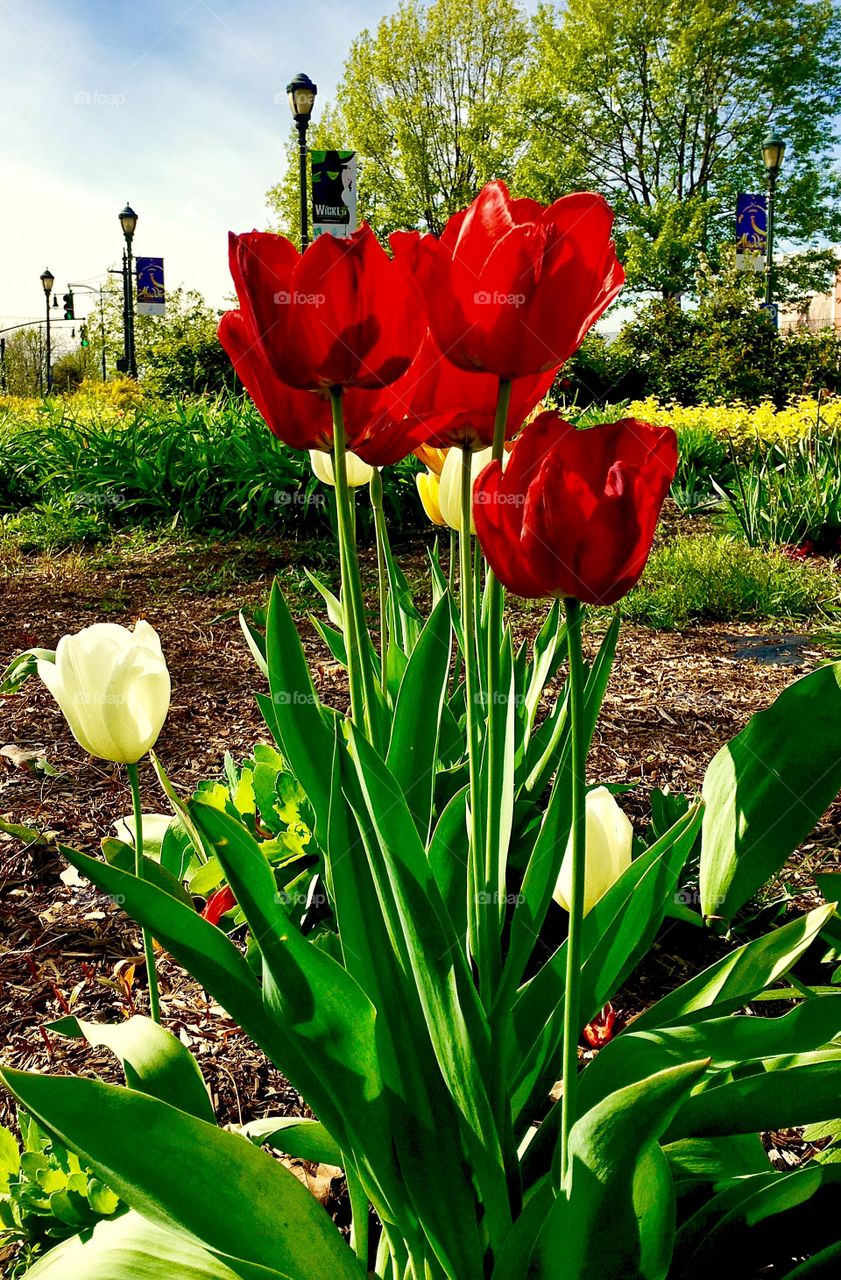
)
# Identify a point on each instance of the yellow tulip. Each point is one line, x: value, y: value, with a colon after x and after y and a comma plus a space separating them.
x: 428, y: 486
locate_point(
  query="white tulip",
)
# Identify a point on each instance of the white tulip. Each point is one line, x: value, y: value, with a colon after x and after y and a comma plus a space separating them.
x: 609, y: 842
x: 358, y: 472
x: 113, y: 686
x: 449, y: 488
x: 154, y: 827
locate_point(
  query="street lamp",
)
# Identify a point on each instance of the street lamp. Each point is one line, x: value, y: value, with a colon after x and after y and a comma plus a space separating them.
x: 773, y: 150
x: 47, y: 281
x: 301, y: 93
x: 128, y: 222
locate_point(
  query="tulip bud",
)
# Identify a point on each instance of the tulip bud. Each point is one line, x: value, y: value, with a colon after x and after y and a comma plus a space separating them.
x: 358, y: 472
x: 449, y: 489
x: 113, y: 687
x: 428, y: 485
x: 609, y: 842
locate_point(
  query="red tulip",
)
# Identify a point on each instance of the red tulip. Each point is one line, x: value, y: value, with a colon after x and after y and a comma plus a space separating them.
x: 218, y: 904
x: 512, y: 286
x: 376, y: 425
x: 574, y: 512
x: 342, y: 314
x: 449, y: 407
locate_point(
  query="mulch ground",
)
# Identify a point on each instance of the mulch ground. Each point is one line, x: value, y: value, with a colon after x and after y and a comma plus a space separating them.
x: 673, y: 700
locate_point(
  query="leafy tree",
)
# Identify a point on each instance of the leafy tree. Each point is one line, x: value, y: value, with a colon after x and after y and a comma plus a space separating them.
x: 431, y: 103
x: 24, y: 362
x: 71, y: 369
x: 178, y: 353
x: 663, y: 104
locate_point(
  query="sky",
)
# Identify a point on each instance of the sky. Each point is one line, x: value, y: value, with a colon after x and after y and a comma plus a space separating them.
x: 176, y: 106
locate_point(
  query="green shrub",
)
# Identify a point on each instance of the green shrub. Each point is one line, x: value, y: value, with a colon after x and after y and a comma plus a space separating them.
x: 715, y: 578
x: 207, y: 465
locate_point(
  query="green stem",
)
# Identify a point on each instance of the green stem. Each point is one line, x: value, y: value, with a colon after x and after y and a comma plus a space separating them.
x: 496, y: 857
x: 148, y: 945
x: 569, y: 1075
x: 359, y: 1227
x: 360, y: 675
x: 451, y: 566
x: 471, y: 693
x: 376, y: 491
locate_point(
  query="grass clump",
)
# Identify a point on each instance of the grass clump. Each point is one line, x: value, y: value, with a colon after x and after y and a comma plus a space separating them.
x: 716, y: 579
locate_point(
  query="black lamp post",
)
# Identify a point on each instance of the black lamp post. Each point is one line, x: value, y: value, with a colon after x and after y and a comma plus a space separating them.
x: 773, y: 150
x: 301, y: 92
x: 47, y: 281
x: 128, y: 221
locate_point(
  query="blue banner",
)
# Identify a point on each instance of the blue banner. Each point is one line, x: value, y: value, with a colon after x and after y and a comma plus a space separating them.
x: 151, y: 295
x: 751, y: 223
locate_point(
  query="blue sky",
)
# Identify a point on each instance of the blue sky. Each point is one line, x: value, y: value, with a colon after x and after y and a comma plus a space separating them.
x: 177, y: 106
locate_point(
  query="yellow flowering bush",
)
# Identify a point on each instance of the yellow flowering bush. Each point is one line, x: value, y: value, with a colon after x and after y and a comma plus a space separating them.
x: 745, y: 423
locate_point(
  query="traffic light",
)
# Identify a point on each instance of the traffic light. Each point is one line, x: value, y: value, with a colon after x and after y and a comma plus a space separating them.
x: 68, y: 305
x: 83, y: 335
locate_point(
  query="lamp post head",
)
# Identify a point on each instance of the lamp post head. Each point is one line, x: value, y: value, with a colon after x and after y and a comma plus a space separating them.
x: 773, y: 150
x: 301, y: 93
x: 47, y: 281
x: 128, y: 221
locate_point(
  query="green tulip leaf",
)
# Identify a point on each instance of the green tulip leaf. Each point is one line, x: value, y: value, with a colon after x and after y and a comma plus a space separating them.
x: 766, y: 789
x: 154, y: 1060
x: 721, y: 1227
x: 119, y: 854
x: 133, y: 1248
x: 694, y: 1160
x: 791, y: 1090
x: 447, y: 855
x: 295, y: 1136
x: 733, y: 981
x: 186, y: 1174
x: 412, y: 749
x: 619, y: 1218
x: 729, y: 1043
x: 325, y: 1011
x: 300, y: 724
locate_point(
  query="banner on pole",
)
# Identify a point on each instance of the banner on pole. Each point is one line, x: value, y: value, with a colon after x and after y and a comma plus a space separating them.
x: 751, y: 232
x: 151, y: 296
x: 333, y: 193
